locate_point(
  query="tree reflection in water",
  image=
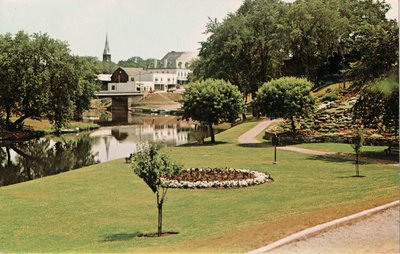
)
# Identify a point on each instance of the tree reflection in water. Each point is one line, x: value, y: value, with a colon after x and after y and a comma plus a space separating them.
x: 20, y: 162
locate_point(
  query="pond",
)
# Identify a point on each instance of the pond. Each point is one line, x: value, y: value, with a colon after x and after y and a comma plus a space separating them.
x: 24, y: 161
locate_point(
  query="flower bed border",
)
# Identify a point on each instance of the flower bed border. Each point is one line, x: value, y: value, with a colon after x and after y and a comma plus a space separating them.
x: 259, y: 178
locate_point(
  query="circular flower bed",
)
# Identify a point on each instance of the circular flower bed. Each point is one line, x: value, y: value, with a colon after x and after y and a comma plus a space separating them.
x: 216, y: 177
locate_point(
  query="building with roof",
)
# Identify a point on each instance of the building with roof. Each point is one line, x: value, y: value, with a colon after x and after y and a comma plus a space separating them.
x: 169, y: 73
x: 177, y: 63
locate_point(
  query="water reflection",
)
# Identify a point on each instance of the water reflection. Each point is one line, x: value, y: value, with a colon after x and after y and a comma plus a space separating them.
x: 32, y: 159
x: 120, y: 141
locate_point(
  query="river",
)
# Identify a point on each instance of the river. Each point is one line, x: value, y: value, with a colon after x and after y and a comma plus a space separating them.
x: 36, y: 158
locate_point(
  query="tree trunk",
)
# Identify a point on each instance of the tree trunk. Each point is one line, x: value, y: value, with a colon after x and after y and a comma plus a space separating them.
x: 159, y: 228
x: 19, y: 121
x: 357, y: 166
x: 212, y: 134
x: 293, y: 127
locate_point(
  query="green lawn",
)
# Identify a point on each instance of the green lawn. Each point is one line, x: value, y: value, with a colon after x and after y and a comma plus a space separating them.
x: 102, y: 208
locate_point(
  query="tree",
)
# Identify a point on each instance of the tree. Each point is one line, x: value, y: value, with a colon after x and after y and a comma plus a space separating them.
x: 316, y: 29
x: 287, y: 97
x: 378, y: 105
x: 247, y: 48
x: 356, y: 144
x: 151, y: 166
x: 40, y: 78
x: 212, y: 102
x: 87, y: 85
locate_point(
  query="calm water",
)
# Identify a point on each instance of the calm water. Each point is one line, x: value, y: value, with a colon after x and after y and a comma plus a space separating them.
x: 24, y: 161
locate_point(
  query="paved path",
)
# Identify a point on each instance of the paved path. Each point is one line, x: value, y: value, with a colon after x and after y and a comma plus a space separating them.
x: 304, y: 150
x: 378, y: 233
x: 249, y: 136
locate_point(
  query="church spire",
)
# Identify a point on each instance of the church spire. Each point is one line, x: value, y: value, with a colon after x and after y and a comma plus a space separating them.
x: 106, y: 52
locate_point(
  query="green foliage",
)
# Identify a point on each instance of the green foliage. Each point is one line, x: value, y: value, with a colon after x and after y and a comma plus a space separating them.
x: 247, y: 48
x: 332, y: 40
x: 330, y: 97
x: 287, y: 97
x: 212, y: 102
x: 138, y: 62
x: 151, y: 166
x: 378, y: 107
x: 40, y: 78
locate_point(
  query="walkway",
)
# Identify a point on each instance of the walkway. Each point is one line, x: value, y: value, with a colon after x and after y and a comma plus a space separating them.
x: 249, y: 136
x: 372, y: 233
x: 366, y: 232
x: 305, y: 151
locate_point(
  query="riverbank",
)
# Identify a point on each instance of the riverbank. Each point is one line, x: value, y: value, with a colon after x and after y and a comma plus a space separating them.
x: 36, y: 129
x: 104, y: 207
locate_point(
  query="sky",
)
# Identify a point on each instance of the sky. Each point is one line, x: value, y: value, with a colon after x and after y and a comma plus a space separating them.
x: 145, y: 28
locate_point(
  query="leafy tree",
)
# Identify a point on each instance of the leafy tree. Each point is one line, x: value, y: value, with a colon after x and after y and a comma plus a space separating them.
x: 151, y: 166
x: 87, y: 85
x: 378, y: 105
x: 245, y: 49
x: 287, y: 97
x: 374, y: 53
x: 40, y: 78
x: 212, y: 102
x: 316, y: 29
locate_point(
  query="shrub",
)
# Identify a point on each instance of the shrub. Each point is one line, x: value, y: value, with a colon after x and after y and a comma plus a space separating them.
x: 330, y: 97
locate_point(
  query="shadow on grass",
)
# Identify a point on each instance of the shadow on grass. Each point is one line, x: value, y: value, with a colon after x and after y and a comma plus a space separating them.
x: 350, y: 177
x: 334, y: 159
x: 256, y: 145
x: 129, y: 236
x: 390, y: 158
x: 207, y: 143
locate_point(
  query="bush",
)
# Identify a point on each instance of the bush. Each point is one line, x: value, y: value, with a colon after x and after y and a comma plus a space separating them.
x: 330, y: 97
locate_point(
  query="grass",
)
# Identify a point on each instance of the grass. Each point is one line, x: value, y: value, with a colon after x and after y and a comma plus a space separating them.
x: 375, y: 152
x: 104, y: 207
x: 45, y: 125
x: 334, y: 88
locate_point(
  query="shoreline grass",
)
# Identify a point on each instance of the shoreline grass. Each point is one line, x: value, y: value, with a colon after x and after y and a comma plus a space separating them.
x: 101, y: 208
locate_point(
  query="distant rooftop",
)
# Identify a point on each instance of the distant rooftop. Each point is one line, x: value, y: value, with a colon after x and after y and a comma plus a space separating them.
x: 180, y: 56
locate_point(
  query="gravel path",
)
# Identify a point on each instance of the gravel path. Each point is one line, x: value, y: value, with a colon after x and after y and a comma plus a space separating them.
x: 249, y: 136
x: 378, y: 233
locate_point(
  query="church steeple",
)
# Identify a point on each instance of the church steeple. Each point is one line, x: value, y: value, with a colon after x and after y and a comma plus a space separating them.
x: 106, y: 52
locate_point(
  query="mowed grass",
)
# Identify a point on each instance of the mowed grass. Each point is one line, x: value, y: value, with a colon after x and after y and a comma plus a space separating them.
x: 103, y: 208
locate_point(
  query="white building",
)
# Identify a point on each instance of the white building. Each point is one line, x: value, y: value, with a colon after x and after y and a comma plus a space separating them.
x: 173, y: 72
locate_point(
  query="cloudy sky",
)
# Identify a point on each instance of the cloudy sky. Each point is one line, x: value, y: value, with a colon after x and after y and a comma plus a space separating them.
x: 146, y: 28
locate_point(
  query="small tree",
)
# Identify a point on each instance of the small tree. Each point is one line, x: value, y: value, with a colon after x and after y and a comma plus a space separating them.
x: 287, y: 97
x: 357, y: 143
x: 212, y: 102
x: 151, y: 166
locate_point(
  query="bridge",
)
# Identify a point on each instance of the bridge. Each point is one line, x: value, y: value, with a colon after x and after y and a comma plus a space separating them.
x: 111, y: 94
x: 121, y: 101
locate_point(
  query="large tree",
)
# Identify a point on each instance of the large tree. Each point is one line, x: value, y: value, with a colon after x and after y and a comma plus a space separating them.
x: 245, y: 49
x: 39, y: 78
x: 212, y: 102
x: 287, y: 97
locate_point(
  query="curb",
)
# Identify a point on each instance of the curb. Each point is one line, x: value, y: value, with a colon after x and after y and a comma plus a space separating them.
x: 317, y: 229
